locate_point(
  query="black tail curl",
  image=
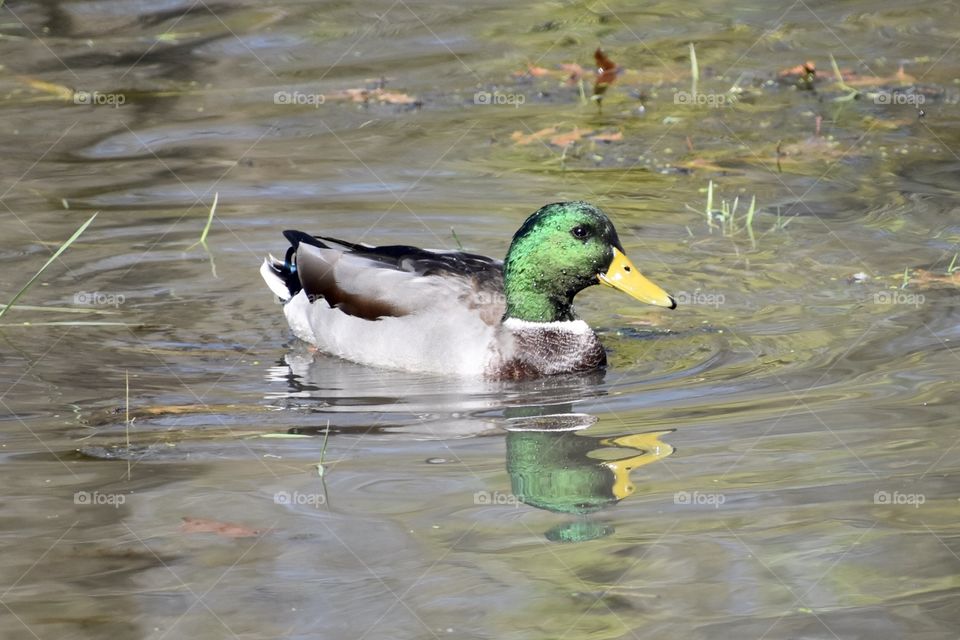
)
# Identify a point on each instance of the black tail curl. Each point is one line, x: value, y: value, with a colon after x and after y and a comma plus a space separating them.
x: 288, y: 271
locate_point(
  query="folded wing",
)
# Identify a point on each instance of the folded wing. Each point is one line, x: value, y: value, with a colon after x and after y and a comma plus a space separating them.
x: 389, y: 281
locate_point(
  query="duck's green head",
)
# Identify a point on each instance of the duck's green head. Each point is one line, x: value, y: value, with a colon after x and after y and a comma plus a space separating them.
x: 562, y: 249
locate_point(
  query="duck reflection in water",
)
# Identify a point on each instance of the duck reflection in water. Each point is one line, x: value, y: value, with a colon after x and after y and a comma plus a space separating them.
x: 554, y: 466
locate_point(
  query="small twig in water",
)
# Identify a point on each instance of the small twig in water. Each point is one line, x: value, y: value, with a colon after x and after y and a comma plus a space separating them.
x: 126, y: 421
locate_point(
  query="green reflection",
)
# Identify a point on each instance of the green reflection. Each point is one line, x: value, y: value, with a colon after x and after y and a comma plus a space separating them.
x: 571, y: 472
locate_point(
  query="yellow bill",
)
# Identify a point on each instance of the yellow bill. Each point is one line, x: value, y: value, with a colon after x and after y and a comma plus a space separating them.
x: 624, y: 276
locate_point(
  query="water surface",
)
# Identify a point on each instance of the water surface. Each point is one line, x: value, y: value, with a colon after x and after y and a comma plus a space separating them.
x: 777, y: 458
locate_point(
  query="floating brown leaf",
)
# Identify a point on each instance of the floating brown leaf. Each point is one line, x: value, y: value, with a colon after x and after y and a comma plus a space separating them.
x: 808, y: 67
x: 574, y: 72
x: 523, y: 139
x: 58, y: 90
x: 225, y: 529
x: 615, y: 136
x: 391, y: 97
x: 378, y: 94
x: 803, y: 74
x: 564, y: 139
x: 814, y: 147
x: 606, y: 72
x: 853, y: 79
x: 925, y: 278
x: 702, y: 164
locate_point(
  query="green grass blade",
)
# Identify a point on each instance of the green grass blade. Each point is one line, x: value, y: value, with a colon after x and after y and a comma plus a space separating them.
x: 56, y: 254
x: 752, y: 210
x: 733, y: 214
x: 836, y: 70
x: 206, y: 229
x: 851, y: 92
x: 45, y: 309
x: 67, y: 323
x: 694, y: 71
x: 710, y: 205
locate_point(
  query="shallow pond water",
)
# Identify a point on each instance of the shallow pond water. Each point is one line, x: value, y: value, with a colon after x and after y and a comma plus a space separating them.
x: 777, y: 458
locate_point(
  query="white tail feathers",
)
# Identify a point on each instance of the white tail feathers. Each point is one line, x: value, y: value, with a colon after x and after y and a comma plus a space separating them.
x: 268, y: 270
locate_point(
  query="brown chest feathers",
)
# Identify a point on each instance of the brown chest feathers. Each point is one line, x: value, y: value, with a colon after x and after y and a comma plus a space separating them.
x: 549, y: 349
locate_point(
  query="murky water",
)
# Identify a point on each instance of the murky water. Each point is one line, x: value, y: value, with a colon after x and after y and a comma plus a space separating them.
x: 777, y: 458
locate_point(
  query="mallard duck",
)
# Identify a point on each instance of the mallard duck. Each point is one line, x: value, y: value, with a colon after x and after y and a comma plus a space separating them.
x: 452, y: 312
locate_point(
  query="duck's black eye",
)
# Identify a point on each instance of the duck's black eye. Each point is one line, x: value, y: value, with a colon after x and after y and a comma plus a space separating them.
x: 580, y: 232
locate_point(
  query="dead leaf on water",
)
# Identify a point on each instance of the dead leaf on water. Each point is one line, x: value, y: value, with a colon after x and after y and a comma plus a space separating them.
x: 813, y: 147
x: 703, y: 164
x: 538, y: 72
x: 886, y: 125
x: 615, y: 136
x: 574, y: 72
x: 606, y: 72
x: 225, y: 529
x: 924, y: 278
x: 378, y: 95
x: 522, y: 138
x: 58, y: 90
x: 564, y: 139
x: 178, y: 409
x: 808, y: 67
x: 853, y: 79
